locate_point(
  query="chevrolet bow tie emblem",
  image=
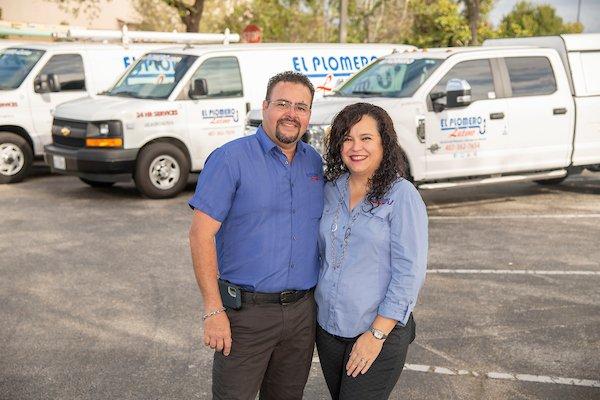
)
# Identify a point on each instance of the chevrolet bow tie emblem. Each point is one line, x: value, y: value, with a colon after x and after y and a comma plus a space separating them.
x: 65, y: 131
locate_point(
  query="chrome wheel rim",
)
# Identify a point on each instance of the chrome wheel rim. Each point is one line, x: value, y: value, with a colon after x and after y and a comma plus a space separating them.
x: 12, y: 159
x: 164, y: 172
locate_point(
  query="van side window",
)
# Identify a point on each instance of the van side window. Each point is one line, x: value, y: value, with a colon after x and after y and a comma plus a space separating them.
x: 530, y: 76
x: 222, y: 75
x: 69, y: 69
x: 479, y: 75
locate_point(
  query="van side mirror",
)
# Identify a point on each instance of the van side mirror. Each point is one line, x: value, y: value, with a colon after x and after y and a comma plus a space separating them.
x: 53, y: 83
x: 458, y: 93
x: 45, y: 83
x: 198, y: 88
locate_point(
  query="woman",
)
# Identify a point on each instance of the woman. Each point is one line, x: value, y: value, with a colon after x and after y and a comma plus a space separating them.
x: 373, y: 245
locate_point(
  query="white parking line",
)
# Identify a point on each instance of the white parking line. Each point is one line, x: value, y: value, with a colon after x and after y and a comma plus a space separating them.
x: 506, y: 376
x: 498, y: 375
x: 511, y: 216
x: 510, y: 272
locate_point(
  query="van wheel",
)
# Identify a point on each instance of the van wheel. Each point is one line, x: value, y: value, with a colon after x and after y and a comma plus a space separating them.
x: 16, y: 157
x: 161, y: 171
x: 550, y: 182
x: 97, y: 184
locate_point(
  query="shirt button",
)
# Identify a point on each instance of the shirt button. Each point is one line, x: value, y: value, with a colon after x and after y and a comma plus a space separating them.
x: 292, y: 265
x: 293, y: 211
x: 286, y: 162
x: 294, y: 237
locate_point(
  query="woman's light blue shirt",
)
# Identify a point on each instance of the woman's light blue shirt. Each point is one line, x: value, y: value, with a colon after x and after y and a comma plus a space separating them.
x: 383, y: 265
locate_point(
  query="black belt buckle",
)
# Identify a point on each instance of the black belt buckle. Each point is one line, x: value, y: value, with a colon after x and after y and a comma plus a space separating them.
x: 287, y: 297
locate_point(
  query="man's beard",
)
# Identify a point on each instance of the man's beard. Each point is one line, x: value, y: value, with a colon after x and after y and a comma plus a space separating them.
x: 287, y: 139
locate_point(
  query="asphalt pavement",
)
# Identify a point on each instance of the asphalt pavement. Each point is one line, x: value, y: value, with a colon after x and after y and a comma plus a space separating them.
x: 98, y: 298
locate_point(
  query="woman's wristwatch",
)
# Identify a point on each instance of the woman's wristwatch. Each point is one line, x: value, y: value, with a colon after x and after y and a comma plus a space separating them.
x: 378, y: 334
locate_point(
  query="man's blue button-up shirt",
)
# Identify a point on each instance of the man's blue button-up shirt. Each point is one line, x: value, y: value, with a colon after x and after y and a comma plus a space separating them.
x: 269, y: 211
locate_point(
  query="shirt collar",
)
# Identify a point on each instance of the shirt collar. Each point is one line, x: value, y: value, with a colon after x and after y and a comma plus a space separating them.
x: 267, y: 144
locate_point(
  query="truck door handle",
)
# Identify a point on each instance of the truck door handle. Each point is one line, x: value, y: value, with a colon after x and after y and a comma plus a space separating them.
x: 559, y: 111
x: 497, y: 115
x: 433, y: 148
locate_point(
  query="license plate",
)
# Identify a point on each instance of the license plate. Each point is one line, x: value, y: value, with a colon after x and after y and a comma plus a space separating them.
x: 59, y: 162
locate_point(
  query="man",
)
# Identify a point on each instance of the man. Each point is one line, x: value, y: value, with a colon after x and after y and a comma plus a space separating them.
x: 257, y: 208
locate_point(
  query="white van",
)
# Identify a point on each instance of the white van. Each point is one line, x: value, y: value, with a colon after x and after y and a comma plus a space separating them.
x: 35, y: 78
x: 498, y: 113
x: 174, y: 107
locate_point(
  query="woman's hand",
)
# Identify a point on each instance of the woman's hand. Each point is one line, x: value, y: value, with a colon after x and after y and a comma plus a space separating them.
x: 364, y: 352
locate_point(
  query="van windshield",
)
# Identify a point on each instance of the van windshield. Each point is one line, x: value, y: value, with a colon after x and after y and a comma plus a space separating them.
x: 15, y: 65
x: 154, y: 76
x: 390, y: 77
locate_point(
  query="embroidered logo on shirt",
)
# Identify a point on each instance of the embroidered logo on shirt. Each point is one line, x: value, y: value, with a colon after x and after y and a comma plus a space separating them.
x: 313, y: 177
x: 384, y: 201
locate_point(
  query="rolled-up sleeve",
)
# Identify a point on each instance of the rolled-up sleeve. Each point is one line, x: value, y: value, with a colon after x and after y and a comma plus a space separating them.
x: 216, y: 186
x: 409, y: 243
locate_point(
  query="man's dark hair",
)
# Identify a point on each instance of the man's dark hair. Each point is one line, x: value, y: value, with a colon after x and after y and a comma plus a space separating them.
x: 290, y: 76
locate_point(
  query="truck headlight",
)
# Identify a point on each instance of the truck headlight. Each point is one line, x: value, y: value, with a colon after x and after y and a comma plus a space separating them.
x: 316, y: 135
x: 104, y: 129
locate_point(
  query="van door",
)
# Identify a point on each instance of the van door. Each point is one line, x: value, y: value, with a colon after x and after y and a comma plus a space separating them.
x: 216, y: 117
x: 540, y: 114
x: 467, y: 141
x: 66, y: 70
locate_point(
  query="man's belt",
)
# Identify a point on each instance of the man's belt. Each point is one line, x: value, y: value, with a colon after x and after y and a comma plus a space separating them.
x: 286, y: 297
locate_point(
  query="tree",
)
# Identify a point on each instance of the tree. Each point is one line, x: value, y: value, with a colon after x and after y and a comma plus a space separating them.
x: 527, y: 19
x: 189, y: 11
x: 437, y: 23
x: 281, y: 20
x: 157, y: 16
x: 476, y: 12
x: 91, y: 8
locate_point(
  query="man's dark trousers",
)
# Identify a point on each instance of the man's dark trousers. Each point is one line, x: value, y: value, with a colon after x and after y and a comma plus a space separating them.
x: 271, y: 351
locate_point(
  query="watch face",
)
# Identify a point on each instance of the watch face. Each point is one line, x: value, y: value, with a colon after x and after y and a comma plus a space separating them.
x: 377, y: 334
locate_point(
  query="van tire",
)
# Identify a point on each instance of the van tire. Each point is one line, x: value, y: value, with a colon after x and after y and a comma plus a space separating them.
x: 16, y: 157
x: 161, y: 170
x: 550, y: 182
x: 96, y: 184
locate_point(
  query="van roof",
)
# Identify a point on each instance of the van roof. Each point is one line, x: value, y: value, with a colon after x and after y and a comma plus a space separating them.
x: 445, y: 52
x: 201, y: 49
x: 70, y: 46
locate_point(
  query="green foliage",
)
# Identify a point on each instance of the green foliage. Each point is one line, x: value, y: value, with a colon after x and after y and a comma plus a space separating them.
x: 527, y: 19
x: 438, y: 23
x: 281, y: 20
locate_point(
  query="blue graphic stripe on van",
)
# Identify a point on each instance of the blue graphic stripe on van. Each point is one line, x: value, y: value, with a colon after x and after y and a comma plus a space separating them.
x: 325, y: 75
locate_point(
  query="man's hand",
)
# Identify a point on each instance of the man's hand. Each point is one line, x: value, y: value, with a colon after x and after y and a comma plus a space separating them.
x: 217, y: 333
x: 364, y: 352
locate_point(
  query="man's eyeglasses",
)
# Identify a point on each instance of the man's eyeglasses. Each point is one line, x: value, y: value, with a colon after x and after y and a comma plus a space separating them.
x: 284, y: 105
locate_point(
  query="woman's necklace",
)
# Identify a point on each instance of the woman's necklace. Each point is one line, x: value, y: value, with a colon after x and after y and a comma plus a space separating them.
x: 337, y: 263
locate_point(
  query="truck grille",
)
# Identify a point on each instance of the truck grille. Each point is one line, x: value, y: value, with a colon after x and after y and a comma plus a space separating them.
x: 69, y: 133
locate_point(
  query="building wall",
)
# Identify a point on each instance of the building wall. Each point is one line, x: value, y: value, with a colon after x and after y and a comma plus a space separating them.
x: 48, y: 12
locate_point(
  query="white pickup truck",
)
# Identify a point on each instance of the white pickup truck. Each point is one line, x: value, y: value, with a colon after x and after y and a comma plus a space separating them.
x: 514, y: 109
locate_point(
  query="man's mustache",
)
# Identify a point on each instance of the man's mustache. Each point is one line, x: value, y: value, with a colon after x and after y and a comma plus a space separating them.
x: 290, y: 120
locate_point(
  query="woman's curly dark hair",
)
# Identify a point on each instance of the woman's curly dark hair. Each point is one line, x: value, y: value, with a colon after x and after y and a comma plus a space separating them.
x: 393, y: 164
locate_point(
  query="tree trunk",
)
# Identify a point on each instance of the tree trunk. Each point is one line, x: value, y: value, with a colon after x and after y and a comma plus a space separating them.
x: 473, y: 12
x: 192, y: 19
x: 343, y: 20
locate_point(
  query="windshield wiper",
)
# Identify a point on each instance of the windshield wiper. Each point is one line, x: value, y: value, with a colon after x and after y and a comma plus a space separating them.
x: 366, y: 92
x: 124, y: 93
